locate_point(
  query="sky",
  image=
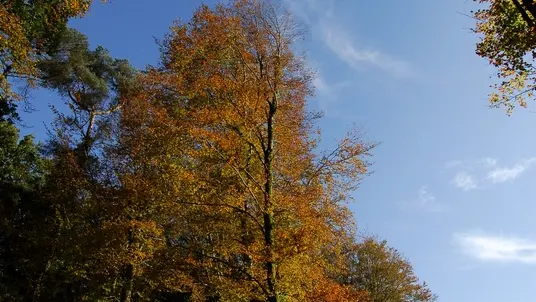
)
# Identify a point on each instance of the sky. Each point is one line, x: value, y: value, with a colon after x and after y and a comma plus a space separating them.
x: 452, y: 186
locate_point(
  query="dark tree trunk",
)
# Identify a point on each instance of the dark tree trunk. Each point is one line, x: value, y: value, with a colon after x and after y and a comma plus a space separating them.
x: 268, y: 206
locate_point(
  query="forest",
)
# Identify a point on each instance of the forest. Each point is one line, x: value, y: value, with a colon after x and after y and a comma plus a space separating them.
x: 202, y: 177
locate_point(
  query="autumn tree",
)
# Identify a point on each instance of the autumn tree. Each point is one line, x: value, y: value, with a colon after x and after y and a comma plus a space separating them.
x: 508, y: 40
x: 220, y: 136
x: 371, y: 265
x: 200, y: 179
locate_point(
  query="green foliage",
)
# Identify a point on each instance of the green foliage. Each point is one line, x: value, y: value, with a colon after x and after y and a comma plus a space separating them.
x: 43, y: 21
x: 21, y: 165
x: 93, y: 85
x: 90, y: 78
x: 24, y: 224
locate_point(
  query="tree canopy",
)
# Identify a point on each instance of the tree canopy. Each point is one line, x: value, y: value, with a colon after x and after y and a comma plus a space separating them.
x: 199, y: 179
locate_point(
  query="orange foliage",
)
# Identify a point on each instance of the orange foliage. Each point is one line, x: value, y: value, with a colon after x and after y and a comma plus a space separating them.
x: 220, y: 136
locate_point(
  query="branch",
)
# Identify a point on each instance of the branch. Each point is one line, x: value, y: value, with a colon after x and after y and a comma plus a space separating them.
x: 226, y: 263
x: 111, y: 110
x: 7, y: 70
x: 75, y: 100
x: 523, y: 13
x: 229, y: 206
x: 323, y: 163
x: 240, y: 176
x: 512, y: 98
x: 529, y: 5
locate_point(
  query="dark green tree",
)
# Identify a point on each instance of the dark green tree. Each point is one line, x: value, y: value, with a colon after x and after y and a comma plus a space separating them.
x: 50, y: 225
x: 94, y: 86
x: 26, y: 225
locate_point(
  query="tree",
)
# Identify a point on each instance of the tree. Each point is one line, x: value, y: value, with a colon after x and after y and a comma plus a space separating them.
x: 30, y: 30
x: 82, y: 185
x: 93, y: 85
x: 199, y: 179
x: 25, y: 226
x: 508, y: 40
x: 383, y: 272
x: 220, y: 135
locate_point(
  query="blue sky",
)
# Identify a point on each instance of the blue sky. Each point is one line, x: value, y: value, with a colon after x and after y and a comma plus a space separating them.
x: 453, y: 183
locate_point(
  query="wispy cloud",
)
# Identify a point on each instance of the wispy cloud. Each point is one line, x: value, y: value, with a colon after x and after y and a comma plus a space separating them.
x: 453, y: 163
x: 492, y: 248
x: 320, y: 85
x: 341, y: 44
x: 319, y: 14
x: 464, y: 181
x: 503, y: 174
x: 328, y: 94
x: 427, y: 201
x: 488, y: 162
x: 486, y: 170
x: 324, y: 88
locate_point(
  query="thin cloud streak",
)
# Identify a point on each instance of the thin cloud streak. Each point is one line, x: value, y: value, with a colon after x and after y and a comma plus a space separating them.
x: 490, y: 248
x: 453, y: 163
x: 499, y: 175
x: 465, y: 181
x: 487, y: 171
x: 339, y: 42
x: 427, y: 201
x: 489, y: 162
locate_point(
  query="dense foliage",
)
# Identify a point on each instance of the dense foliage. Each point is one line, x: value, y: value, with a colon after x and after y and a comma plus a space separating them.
x: 199, y: 179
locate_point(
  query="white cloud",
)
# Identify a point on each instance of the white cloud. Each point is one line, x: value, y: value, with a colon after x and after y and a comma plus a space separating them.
x: 427, y: 201
x: 488, y: 162
x: 464, y: 181
x: 320, y: 85
x: 501, y: 174
x: 425, y: 197
x: 497, y: 248
x: 340, y: 43
x: 485, y: 170
x: 319, y: 14
x: 453, y: 163
x: 504, y: 174
x: 485, y: 162
x: 327, y: 94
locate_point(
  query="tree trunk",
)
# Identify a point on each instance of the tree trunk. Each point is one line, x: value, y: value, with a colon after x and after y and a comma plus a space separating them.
x: 523, y: 13
x: 128, y: 286
x: 531, y: 7
x: 126, y: 294
x: 268, y: 206
x: 39, y: 283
